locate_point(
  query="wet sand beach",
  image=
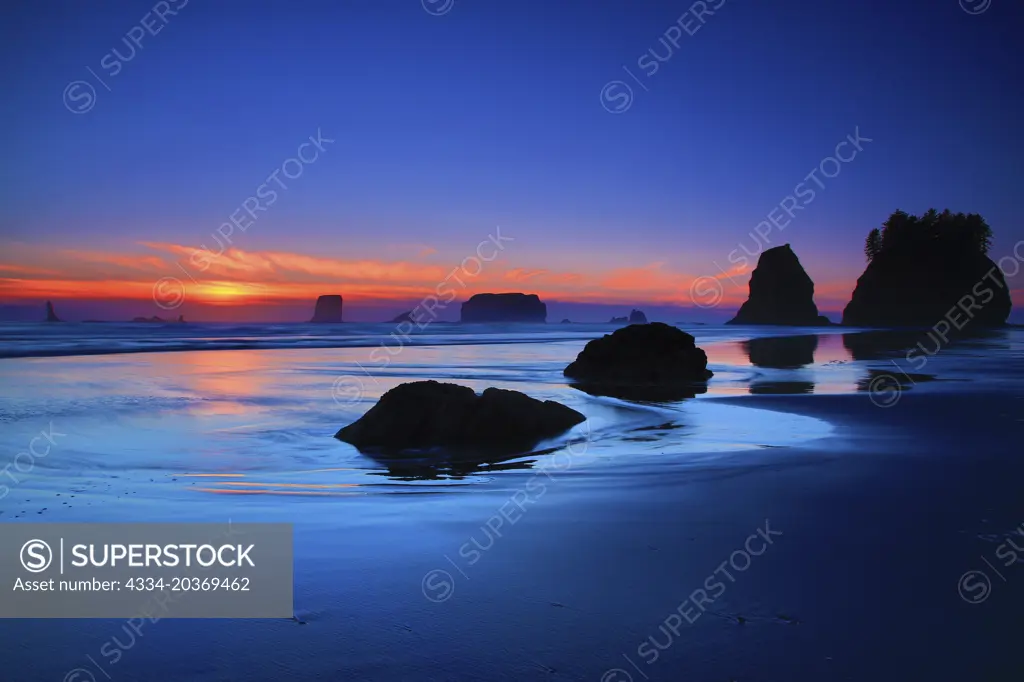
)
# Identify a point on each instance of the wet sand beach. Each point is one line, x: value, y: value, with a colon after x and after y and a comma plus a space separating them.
x: 738, y: 535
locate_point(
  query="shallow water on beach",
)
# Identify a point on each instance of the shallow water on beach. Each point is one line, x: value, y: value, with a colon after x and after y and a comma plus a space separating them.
x: 247, y: 435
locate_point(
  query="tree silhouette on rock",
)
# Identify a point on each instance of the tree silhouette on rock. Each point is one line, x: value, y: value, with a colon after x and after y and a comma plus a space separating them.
x: 922, y: 269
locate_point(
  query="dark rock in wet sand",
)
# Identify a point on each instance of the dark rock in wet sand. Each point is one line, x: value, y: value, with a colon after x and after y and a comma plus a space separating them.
x: 429, y: 414
x: 649, y: 361
x: 328, y: 309
x: 504, y: 308
x: 51, y: 316
x: 780, y: 292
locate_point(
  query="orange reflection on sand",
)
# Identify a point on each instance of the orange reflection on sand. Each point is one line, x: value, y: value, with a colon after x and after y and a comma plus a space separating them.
x: 727, y: 353
x: 292, y: 485
x: 230, y: 491
x: 220, y: 378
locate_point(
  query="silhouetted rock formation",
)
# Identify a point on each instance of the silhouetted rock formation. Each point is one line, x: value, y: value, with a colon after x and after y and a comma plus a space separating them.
x: 567, y: 321
x: 924, y: 269
x: 780, y: 292
x: 51, y: 316
x: 429, y: 414
x: 181, y: 318
x: 619, y: 320
x: 404, y: 317
x: 781, y: 352
x: 328, y: 309
x: 504, y: 308
x: 637, y: 317
x: 642, y: 361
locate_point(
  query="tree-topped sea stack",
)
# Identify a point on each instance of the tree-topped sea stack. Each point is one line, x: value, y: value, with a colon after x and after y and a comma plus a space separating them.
x: 924, y: 269
x: 781, y: 292
x: 642, y: 361
x: 504, y: 308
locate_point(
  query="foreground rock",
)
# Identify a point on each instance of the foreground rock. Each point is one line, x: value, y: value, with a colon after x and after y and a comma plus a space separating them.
x: 930, y: 270
x: 429, y: 414
x: 781, y: 292
x: 504, y: 308
x: 642, y: 361
x: 328, y: 309
x: 51, y: 315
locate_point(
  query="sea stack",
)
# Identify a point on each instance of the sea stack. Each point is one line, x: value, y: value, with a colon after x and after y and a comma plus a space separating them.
x: 923, y: 270
x: 637, y: 317
x: 781, y: 292
x: 504, y: 308
x: 404, y: 317
x: 328, y: 309
x: 51, y: 316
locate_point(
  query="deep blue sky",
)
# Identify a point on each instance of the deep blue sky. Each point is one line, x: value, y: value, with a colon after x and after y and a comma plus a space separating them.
x: 490, y: 115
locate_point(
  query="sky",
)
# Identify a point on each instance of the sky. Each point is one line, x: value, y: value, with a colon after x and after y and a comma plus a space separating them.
x: 621, y: 154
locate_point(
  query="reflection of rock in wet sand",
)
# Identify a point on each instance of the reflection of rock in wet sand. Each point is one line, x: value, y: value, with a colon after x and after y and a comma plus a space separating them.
x: 885, y: 379
x: 782, y: 352
x: 781, y: 388
x: 439, y: 468
x: 650, y: 393
x: 912, y: 343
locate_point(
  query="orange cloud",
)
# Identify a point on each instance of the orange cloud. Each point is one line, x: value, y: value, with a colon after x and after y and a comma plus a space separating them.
x: 236, y: 276
x: 27, y: 270
x: 523, y: 275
